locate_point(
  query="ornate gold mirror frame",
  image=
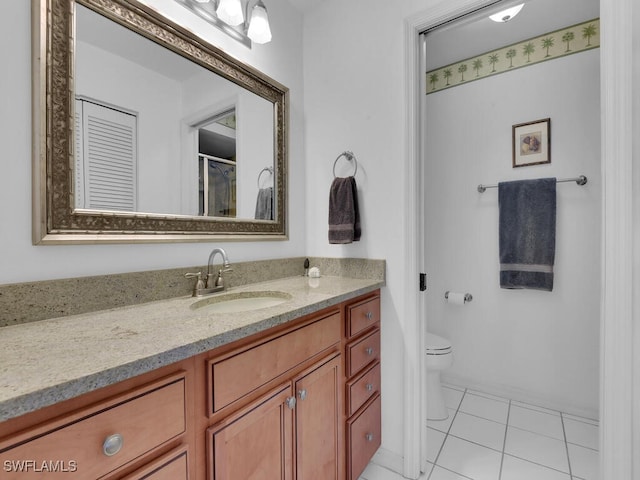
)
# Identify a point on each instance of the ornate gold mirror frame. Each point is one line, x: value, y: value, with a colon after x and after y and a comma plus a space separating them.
x: 55, y: 220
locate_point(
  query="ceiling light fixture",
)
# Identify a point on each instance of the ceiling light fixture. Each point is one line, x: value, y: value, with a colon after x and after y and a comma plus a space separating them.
x: 229, y: 16
x: 507, y: 14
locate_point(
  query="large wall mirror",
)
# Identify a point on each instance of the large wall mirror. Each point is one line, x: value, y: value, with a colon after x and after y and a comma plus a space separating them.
x: 145, y: 133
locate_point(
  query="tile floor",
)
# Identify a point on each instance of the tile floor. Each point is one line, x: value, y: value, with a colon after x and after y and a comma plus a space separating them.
x: 493, y: 438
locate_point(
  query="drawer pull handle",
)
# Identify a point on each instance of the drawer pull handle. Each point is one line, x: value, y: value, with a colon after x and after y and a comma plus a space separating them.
x: 369, y: 387
x: 369, y: 351
x: 291, y: 402
x: 112, y: 444
x: 369, y: 437
x: 302, y: 394
x: 369, y: 315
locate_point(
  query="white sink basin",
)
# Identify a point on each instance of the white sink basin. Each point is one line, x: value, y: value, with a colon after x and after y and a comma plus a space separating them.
x: 241, y: 301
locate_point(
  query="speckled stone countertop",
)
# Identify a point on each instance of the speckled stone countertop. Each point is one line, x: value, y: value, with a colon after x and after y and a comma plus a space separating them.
x: 45, y: 362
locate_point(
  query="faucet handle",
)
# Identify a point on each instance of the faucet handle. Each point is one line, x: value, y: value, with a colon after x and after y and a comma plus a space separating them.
x: 199, y: 283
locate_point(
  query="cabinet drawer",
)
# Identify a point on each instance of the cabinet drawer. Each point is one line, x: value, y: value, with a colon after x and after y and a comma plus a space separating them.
x: 362, y: 389
x: 172, y: 466
x: 364, y: 438
x: 144, y: 420
x: 362, y: 316
x: 234, y: 377
x: 363, y: 352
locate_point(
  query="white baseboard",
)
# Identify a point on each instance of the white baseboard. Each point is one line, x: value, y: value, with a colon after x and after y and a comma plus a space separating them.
x: 521, y: 396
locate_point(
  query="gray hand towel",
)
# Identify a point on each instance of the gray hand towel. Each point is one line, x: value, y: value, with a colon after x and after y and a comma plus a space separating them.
x: 527, y: 233
x: 264, y: 204
x: 344, y: 216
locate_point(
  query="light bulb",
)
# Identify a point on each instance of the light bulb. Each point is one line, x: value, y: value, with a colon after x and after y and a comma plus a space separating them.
x: 230, y: 12
x: 259, y: 29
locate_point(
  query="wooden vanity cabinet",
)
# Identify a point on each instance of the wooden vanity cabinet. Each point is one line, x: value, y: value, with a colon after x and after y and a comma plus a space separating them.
x: 286, y: 420
x: 141, y: 428
x: 300, y: 401
x: 362, y: 386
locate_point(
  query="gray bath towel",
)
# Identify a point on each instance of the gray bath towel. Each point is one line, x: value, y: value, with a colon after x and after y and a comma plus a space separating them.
x: 527, y: 233
x: 264, y: 204
x: 344, y: 217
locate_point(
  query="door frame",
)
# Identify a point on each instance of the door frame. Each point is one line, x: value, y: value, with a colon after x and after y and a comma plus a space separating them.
x: 617, y: 382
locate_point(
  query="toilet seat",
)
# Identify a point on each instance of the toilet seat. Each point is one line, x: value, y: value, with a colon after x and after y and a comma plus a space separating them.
x: 437, y: 345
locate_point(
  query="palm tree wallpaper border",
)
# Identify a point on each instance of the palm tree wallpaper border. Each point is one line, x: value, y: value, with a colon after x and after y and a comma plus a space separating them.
x: 559, y: 43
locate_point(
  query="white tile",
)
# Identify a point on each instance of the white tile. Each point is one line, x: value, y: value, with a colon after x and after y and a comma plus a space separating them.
x: 536, y: 421
x: 440, y: 473
x: 584, y: 462
x: 478, y: 430
x: 470, y: 460
x: 537, y: 448
x: 484, y: 407
x: 442, y: 425
x: 452, y: 397
x: 376, y: 472
x: 434, y: 443
x: 584, y: 434
x: 517, y: 469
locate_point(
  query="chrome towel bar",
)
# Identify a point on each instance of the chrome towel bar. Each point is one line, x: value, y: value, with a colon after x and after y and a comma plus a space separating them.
x: 581, y: 180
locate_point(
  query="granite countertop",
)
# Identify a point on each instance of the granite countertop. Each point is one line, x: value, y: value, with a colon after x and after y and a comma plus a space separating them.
x: 45, y: 362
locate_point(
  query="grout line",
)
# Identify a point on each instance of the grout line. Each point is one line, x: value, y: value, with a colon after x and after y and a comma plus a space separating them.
x: 504, y: 442
x: 583, y: 446
x: 446, y: 435
x: 452, y: 471
x: 536, y: 463
x: 566, y: 446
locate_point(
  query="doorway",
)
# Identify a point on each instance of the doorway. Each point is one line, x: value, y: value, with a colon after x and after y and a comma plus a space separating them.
x: 617, y: 296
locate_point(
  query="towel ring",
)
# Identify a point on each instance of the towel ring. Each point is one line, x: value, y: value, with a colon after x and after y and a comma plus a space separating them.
x: 265, y: 169
x: 349, y: 156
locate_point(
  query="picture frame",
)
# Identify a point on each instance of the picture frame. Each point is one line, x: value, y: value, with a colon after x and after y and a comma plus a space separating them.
x: 532, y: 143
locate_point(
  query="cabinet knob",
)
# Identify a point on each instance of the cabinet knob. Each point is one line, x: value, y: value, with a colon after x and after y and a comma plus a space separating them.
x: 112, y: 444
x: 369, y: 315
x: 302, y: 394
x: 369, y: 387
x: 291, y: 402
x: 369, y: 437
x: 369, y: 351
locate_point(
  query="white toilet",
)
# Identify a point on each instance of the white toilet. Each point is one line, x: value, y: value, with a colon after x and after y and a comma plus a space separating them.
x: 439, y: 357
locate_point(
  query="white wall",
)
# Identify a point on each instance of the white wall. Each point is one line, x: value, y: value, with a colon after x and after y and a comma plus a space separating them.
x: 354, y: 92
x: 21, y: 261
x: 537, y: 346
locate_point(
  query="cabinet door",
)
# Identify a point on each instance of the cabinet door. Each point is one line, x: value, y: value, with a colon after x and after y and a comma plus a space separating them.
x: 256, y: 443
x: 318, y: 426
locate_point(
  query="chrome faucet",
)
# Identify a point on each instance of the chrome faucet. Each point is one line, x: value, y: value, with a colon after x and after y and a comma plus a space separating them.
x: 212, y: 285
x: 226, y: 267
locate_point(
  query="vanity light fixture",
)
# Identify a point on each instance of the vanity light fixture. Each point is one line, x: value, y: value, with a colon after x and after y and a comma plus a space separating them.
x: 230, y: 12
x: 507, y: 14
x: 259, y: 30
x: 243, y: 22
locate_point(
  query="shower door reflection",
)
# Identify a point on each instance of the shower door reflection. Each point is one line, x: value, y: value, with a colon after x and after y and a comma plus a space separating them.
x: 217, y: 187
